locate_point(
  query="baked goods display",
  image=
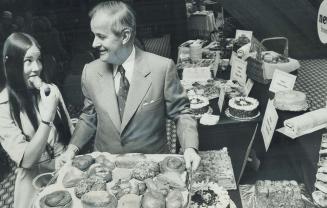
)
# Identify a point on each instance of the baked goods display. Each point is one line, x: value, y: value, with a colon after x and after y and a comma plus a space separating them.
x: 290, y: 100
x: 278, y: 194
x: 199, y: 105
x: 57, y: 199
x: 243, y: 107
x: 154, y: 181
x: 210, y: 195
x: 216, y: 166
x: 320, y: 194
x: 209, y: 89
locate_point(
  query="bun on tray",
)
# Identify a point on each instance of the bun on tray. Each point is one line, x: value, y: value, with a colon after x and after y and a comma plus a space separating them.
x: 89, y: 184
x: 172, y: 163
x: 103, y: 160
x: 100, y: 171
x: 57, y: 199
x: 145, y: 169
x: 129, y: 201
x: 83, y: 162
x: 98, y: 199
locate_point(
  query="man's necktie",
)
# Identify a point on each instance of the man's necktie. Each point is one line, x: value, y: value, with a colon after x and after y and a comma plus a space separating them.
x: 123, y: 90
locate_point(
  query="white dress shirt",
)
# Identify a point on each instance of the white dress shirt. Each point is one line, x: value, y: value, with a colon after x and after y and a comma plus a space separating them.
x: 129, y: 69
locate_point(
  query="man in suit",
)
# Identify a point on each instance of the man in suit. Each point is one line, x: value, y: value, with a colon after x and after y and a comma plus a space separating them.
x: 129, y: 93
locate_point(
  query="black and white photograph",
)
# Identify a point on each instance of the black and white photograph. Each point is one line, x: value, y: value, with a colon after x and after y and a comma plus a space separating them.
x: 163, y: 104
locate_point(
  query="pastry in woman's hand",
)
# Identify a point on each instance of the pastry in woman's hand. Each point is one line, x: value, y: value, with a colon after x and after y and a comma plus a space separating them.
x: 57, y: 199
x: 83, y: 162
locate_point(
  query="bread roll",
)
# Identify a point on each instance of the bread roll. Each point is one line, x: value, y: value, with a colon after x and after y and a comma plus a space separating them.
x: 100, y: 171
x: 174, y: 199
x: 103, y: 160
x: 98, y: 199
x: 153, y: 199
x: 145, y: 169
x: 172, y: 163
x: 57, y: 199
x: 83, y: 162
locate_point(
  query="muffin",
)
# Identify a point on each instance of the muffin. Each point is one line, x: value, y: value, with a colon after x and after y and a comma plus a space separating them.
x: 57, y: 199
x: 99, y: 199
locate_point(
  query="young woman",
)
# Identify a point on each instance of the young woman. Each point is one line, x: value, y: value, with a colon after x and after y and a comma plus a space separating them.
x: 34, y: 124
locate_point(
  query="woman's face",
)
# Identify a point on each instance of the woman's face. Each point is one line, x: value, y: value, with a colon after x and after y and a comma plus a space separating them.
x: 32, y: 64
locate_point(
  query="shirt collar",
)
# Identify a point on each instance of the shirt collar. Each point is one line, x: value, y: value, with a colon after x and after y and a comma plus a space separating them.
x: 4, y: 96
x: 128, y: 64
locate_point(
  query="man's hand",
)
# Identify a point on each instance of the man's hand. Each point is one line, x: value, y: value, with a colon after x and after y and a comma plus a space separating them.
x: 192, y: 159
x: 66, y: 157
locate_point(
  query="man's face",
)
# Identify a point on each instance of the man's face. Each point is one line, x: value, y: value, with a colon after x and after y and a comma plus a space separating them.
x: 109, y: 45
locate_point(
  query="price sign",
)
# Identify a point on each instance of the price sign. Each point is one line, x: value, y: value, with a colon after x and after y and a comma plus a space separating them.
x: 269, y: 124
x: 196, y: 74
x: 282, y: 81
x: 322, y: 22
x: 221, y: 99
x: 238, y: 71
x: 248, y: 87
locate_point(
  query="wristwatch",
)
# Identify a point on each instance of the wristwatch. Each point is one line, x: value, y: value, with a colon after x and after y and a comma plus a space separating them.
x: 49, y: 123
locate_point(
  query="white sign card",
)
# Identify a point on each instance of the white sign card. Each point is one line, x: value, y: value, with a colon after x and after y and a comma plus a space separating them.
x: 322, y: 22
x: 238, y: 71
x: 248, y: 86
x: 197, y: 74
x: 282, y: 81
x: 221, y: 99
x: 245, y: 33
x: 269, y: 124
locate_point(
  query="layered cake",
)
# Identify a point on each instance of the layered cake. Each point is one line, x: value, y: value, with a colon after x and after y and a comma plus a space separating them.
x: 243, y: 107
x: 278, y: 194
x: 199, y: 105
x: 291, y: 100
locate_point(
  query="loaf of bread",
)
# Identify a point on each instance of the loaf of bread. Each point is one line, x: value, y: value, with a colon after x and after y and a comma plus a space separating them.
x: 129, y: 160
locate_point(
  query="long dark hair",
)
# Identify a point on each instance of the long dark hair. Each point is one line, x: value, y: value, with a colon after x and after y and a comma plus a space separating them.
x: 22, y: 99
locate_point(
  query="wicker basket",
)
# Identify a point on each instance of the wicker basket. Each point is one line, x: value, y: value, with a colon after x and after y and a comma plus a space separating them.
x: 255, y: 69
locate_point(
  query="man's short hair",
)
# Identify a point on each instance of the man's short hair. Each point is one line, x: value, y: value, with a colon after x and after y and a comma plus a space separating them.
x: 120, y: 15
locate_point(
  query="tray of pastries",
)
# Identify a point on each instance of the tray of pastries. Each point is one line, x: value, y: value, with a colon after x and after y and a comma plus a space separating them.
x: 125, y: 181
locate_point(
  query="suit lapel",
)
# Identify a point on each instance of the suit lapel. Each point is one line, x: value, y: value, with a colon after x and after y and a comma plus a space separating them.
x: 108, y: 95
x: 138, y: 87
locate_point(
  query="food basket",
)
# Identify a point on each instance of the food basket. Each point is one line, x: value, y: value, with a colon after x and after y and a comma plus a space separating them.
x: 261, y: 68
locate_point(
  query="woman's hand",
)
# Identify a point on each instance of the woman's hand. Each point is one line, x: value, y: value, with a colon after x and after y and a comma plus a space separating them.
x: 49, y: 102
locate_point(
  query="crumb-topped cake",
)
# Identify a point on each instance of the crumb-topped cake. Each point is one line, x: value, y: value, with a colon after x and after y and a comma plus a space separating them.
x: 291, y: 100
x: 199, y: 104
x: 243, y: 107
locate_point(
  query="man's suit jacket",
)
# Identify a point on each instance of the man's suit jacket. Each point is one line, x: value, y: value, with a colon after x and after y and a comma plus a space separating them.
x: 155, y: 94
